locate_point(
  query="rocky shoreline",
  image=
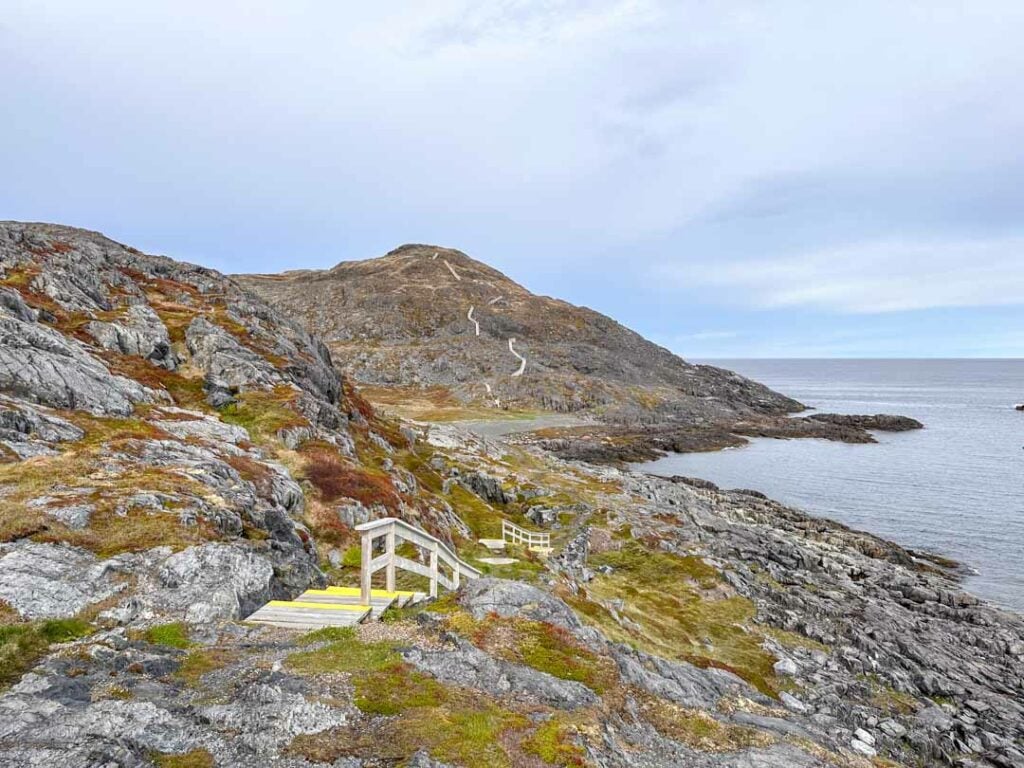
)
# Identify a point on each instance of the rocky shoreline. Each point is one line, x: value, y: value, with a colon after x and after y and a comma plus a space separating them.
x: 605, y: 444
x: 174, y: 454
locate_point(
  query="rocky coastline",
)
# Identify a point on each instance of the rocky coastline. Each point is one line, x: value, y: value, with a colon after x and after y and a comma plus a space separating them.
x: 174, y: 453
x: 605, y: 444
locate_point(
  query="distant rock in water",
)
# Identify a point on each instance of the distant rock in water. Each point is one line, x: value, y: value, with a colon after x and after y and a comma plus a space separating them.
x: 1019, y: 406
x: 880, y: 421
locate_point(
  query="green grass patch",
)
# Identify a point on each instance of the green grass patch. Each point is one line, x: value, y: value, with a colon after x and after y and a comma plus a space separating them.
x: 674, y: 607
x: 552, y: 743
x: 466, y: 729
x: 265, y: 413
x: 483, y: 520
x: 173, y: 635
x: 543, y: 646
x: 344, y: 652
x: 22, y: 645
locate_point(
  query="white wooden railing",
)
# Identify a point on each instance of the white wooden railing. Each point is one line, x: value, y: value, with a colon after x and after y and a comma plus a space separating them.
x: 394, y: 530
x: 513, y: 533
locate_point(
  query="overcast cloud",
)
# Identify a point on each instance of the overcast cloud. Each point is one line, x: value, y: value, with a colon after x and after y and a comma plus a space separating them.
x: 762, y: 178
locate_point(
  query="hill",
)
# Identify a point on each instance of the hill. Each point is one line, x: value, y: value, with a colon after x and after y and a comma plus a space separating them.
x: 426, y: 316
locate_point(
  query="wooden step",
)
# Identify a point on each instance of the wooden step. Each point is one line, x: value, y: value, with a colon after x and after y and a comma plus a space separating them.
x: 335, y: 596
x: 300, y: 614
x: 331, y: 607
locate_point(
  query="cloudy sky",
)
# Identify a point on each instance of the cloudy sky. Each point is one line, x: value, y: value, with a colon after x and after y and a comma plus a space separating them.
x: 731, y: 179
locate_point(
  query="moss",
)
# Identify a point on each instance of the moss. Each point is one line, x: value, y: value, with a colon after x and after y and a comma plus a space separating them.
x: 483, y: 520
x: 171, y: 635
x: 466, y: 729
x: 344, y: 652
x: 543, y: 646
x: 699, y: 730
x: 197, y: 758
x: 265, y: 413
x: 552, y: 743
x: 396, y: 689
x: 674, y: 607
x: 201, y: 662
x: 23, y: 644
x: 120, y: 693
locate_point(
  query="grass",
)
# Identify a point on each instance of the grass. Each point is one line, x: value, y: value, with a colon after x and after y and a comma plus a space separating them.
x: 438, y: 404
x: 23, y: 644
x: 552, y: 743
x: 466, y: 730
x: 883, y: 696
x: 344, y: 652
x: 543, y: 646
x: 453, y: 724
x: 674, y: 607
x: 699, y: 730
x: 170, y: 635
x: 110, y: 530
x: 203, y: 661
x: 265, y: 413
x: 483, y: 520
x: 197, y: 758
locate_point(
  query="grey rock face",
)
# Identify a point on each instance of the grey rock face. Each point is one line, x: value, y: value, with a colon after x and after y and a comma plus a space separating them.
x: 512, y: 598
x: 679, y: 682
x: 52, y: 580
x: 142, y: 334
x: 211, y: 582
x: 27, y: 431
x: 225, y: 360
x: 42, y: 365
x: 464, y: 664
x: 486, y: 487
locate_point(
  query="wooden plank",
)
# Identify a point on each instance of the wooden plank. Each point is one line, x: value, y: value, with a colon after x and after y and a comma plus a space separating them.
x: 321, y: 606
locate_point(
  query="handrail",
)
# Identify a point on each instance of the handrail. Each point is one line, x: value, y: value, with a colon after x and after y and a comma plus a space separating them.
x: 393, y: 528
x: 512, y: 532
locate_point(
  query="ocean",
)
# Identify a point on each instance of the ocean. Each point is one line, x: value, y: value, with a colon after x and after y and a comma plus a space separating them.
x: 955, y: 488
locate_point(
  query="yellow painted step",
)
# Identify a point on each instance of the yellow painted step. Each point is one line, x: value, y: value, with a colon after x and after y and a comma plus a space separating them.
x: 320, y: 606
x: 354, y: 592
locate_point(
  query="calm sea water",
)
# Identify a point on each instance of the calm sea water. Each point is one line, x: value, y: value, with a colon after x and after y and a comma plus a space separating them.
x: 955, y: 488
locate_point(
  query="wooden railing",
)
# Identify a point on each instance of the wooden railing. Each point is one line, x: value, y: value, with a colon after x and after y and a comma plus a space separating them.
x: 513, y: 533
x: 394, y: 530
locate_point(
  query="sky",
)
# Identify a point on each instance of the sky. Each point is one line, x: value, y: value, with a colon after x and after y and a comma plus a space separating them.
x: 733, y: 179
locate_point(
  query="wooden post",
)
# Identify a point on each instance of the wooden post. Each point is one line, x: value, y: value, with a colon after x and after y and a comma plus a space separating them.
x: 455, y: 576
x: 365, y: 577
x: 433, y: 569
x: 390, y: 573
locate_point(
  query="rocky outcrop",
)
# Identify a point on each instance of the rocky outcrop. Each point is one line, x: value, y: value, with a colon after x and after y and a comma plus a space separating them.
x: 142, y: 334
x: 53, y: 580
x: 43, y: 366
x: 880, y: 421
